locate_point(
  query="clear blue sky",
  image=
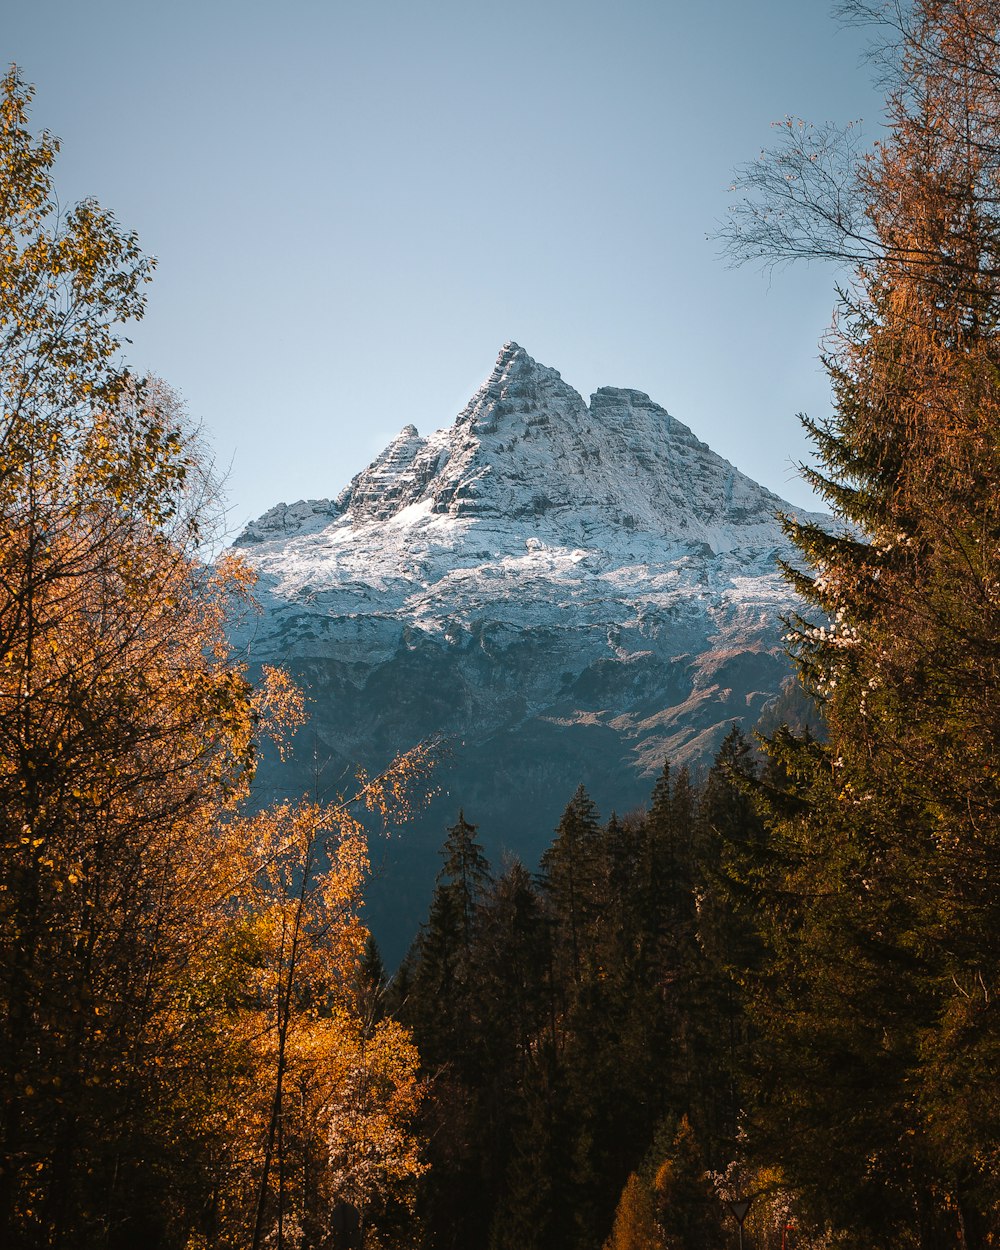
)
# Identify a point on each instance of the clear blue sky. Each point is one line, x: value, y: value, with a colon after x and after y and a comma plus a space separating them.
x: 354, y: 205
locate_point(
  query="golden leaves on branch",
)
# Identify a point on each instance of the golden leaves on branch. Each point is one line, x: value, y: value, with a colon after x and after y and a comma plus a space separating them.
x: 329, y: 1107
x: 172, y: 971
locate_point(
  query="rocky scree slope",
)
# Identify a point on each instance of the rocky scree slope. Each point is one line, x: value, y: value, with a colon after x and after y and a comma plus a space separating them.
x: 567, y: 592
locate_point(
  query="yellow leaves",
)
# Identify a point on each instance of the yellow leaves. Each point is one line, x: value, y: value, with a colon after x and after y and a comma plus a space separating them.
x: 348, y: 1089
x: 361, y: 1092
x: 403, y: 787
x: 278, y: 706
x: 169, y: 935
x: 288, y: 948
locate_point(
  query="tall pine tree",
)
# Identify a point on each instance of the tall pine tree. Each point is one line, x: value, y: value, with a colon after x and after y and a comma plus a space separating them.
x: 879, y: 1005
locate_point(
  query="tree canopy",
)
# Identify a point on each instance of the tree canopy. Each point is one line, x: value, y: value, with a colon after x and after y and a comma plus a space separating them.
x: 182, y: 1058
x: 877, y: 997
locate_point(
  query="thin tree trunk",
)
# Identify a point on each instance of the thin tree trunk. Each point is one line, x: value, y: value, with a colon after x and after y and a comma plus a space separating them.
x: 284, y: 1016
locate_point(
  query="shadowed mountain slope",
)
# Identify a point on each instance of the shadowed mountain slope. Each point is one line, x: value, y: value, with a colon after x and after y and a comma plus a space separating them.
x: 566, y: 592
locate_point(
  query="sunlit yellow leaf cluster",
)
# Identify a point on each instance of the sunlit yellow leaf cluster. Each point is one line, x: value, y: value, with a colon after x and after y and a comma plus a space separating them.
x: 182, y: 1036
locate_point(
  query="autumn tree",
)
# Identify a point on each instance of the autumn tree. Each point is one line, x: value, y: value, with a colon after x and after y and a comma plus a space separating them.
x: 884, y: 927
x: 127, y: 743
x: 124, y: 728
x: 335, y: 1088
x: 635, y: 1226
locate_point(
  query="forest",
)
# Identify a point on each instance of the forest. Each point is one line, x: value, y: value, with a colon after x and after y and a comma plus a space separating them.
x: 761, y: 1011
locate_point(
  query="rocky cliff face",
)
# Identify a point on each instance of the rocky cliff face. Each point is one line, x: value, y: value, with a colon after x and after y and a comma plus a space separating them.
x: 566, y: 592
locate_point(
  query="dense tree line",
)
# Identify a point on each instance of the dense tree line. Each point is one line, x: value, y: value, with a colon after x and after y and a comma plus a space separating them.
x: 585, y: 1023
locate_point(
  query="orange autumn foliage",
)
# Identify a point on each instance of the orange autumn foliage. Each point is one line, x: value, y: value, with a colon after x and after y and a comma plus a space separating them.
x: 169, y: 969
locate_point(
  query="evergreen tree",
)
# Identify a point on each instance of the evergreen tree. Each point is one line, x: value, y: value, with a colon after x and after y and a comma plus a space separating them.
x: 465, y: 876
x: 570, y: 874
x: 440, y: 965
x: 443, y: 1006
x: 884, y: 932
x: 731, y: 846
x: 509, y: 968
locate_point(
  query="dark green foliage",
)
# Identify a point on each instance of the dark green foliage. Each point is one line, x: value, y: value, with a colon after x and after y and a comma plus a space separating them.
x: 440, y: 966
x: 510, y: 961
x: 571, y: 870
x: 840, y: 1003
x: 586, y: 1012
x: 440, y: 1003
x: 689, y: 1215
x: 729, y: 845
x: 464, y: 877
x: 875, y: 992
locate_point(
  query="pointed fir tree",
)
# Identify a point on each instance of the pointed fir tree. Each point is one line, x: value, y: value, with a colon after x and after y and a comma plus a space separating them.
x: 444, y: 1008
x: 884, y: 933
x: 730, y: 848
x: 509, y: 963
x: 570, y: 871
x: 440, y: 964
x: 465, y: 876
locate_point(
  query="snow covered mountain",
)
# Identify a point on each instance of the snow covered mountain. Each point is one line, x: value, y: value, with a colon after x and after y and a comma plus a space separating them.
x: 568, y: 592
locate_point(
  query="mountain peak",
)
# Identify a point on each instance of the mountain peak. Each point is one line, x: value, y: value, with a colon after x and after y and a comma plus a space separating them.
x: 517, y: 385
x: 509, y: 352
x: 528, y: 451
x: 512, y: 360
x: 563, y: 589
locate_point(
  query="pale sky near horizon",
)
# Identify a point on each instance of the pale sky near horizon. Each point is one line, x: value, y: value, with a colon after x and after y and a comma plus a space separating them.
x: 354, y: 205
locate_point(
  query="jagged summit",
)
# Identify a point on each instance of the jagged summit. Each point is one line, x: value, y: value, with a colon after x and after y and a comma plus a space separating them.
x: 519, y: 384
x: 527, y: 449
x: 532, y: 509
x: 566, y: 591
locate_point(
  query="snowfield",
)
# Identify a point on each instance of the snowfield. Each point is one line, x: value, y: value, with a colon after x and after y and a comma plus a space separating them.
x: 533, y: 509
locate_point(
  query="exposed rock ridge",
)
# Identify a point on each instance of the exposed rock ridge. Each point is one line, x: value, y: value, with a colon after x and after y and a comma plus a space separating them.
x: 528, y: 448
x: 566, y: 591
x: 285, y: 520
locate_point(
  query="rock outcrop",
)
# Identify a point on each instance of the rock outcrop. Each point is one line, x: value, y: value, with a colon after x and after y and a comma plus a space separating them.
x: 565, y: 592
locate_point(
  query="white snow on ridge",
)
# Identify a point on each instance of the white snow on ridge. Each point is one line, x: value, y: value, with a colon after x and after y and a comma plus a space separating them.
x: 533, y: 508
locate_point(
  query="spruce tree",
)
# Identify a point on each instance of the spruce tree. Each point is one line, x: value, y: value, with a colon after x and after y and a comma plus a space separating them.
x: 884, y: 931
x: 570, y: 871
x: 729, y: 847
x: 509, y: 969
x: 445, y: 1010
x: 465, y: 876
x: 440, y: 964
